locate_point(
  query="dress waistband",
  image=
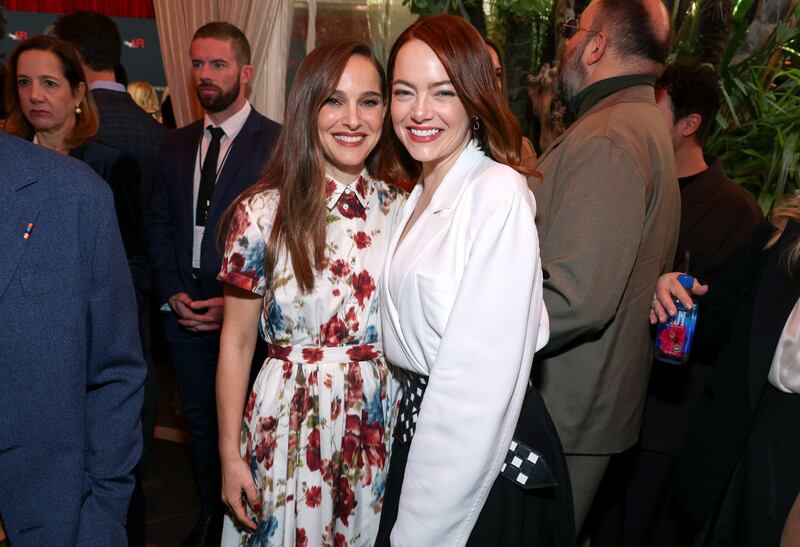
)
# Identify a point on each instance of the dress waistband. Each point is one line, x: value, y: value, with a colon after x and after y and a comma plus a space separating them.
x: 325, y: 354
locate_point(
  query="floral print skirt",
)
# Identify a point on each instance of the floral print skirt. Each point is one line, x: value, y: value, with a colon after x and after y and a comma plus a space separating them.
x: 317, y: 431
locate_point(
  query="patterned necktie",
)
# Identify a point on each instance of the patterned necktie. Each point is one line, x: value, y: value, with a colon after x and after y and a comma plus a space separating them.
x: 208, y: 176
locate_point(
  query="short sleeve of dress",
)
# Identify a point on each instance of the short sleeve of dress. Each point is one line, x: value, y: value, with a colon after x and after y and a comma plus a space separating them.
x: 243, y: 260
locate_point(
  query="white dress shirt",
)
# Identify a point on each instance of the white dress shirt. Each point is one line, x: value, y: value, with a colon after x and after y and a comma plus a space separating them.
x: 461, y: 302
x: 784, y: 373
x: 231, y: 127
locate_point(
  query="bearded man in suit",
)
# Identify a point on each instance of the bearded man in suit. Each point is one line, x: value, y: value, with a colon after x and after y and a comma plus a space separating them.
x: 607, y: 213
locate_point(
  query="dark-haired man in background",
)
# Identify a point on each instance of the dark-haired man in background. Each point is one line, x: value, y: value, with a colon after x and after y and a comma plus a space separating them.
x: 717, y: 218
x: 124, y: 125
x: 607, y: 214
x: 203, y: 167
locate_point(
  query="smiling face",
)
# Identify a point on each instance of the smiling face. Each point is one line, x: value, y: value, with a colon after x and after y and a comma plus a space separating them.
x: 46, y: 98
x: 218, y: 77
x: 428, y: 117
x: 350, y: 120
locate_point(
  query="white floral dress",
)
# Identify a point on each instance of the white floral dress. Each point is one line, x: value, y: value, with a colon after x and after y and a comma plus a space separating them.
x: 318, y: 422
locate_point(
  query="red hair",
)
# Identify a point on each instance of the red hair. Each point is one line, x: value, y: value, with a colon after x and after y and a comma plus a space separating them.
x: 463, y: 53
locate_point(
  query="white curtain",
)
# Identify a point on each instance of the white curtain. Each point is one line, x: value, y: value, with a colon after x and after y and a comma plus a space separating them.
x: 267, y: 25
x: 386, y: 19
x: 311, y: 33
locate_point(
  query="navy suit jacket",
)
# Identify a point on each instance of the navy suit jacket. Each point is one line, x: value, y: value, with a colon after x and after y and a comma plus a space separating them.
x: 170, y: 218
x: 124, y: 125
x: 121, y: 172
x: 70, y: 358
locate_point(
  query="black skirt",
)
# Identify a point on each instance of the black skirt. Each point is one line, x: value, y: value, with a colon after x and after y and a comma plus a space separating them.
x: 512, y: 516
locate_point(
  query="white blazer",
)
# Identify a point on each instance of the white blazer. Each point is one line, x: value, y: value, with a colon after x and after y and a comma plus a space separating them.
x: 462, y: 303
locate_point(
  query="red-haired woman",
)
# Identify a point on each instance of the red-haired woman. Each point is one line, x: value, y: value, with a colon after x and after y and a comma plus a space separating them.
x: 304, y: 249
x: 462, y: 309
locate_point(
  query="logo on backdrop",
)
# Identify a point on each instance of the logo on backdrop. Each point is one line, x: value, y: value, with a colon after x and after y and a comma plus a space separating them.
x: 135, y: 43
x: 20, y: 35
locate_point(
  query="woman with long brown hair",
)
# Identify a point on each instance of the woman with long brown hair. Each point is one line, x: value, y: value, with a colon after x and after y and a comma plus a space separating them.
x: 462, y: 309
x: 303, y: 254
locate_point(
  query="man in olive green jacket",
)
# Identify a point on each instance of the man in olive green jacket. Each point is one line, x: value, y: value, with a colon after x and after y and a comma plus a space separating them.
x: 608, y: 214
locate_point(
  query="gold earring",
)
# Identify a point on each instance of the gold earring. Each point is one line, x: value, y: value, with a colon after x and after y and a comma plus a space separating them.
x: 78, y: 109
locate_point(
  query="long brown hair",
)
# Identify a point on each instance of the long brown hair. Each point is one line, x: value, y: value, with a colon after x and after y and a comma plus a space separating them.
x: 297, y: 166
x: 780, y: 217
x: 86, y: 123
x: 462, y: 52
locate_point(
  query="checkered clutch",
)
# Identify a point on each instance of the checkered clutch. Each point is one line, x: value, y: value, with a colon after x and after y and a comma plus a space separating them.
x: 526, y: 468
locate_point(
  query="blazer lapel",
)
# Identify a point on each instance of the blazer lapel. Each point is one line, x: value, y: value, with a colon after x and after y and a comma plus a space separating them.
x: 555, y: 143
x: 437, y: 216
x: 186, y: 163
x: 388, y: 302
x: 13, y: 228
x: 240, y: 149
x: 408, y: 209
x: 777, y: 294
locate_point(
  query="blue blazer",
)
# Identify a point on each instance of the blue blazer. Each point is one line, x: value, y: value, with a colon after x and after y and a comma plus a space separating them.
x: 170, y: 216
x: 70, y: 358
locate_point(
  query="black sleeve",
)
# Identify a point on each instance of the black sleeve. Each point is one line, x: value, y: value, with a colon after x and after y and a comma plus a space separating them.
x: 719, y: 307
x: 123, y: 177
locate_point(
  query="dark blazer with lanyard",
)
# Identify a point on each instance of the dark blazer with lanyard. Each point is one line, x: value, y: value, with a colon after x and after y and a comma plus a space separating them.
x: 193, y: 355
x: 720, y: 428
x: 171, y: 215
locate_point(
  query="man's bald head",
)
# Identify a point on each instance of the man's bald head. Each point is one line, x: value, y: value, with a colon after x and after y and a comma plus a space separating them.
x: 636, y: 29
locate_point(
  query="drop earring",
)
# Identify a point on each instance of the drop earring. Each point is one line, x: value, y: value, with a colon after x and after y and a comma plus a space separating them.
x: 78, y: 109
x: 476, y: 126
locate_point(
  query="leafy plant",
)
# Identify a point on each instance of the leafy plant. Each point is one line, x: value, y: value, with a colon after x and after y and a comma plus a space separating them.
x: 757, y: 135
x: 427, y: 7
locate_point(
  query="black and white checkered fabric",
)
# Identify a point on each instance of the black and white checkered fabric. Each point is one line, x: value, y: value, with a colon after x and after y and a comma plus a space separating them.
x: 413, y: 389
x: 526, y: 468
x: 523, y: 466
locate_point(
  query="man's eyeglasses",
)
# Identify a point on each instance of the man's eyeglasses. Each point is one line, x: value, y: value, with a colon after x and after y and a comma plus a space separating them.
x: 571, y: 27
